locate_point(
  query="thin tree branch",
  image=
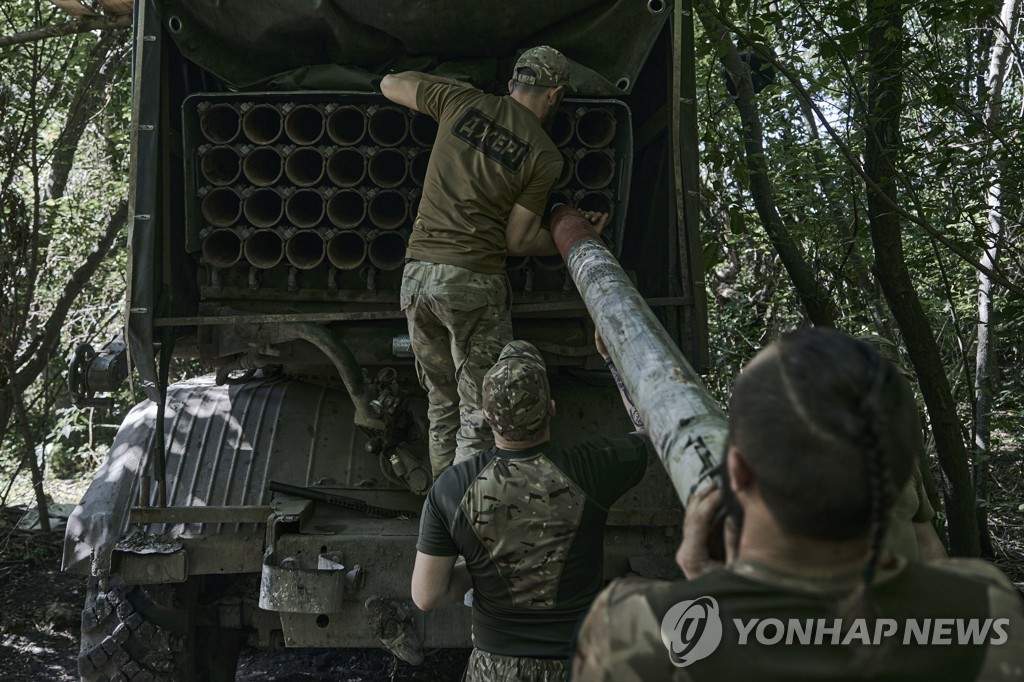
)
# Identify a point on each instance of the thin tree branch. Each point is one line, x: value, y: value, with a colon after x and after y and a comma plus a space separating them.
x: 68, y: 28
x: 79, y: 278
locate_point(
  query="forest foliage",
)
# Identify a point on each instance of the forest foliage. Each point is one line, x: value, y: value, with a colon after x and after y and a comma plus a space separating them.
x: 860, y: 166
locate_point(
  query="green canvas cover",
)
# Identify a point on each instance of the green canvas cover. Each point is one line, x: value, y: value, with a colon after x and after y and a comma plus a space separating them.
x: 346, y: 44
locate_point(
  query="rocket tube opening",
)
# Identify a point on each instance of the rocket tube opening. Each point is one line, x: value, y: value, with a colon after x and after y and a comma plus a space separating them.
x: 305, y: 208
x: 262, y: 124
x: 346, y: 208
x: 387, y: 209
x: 220, y: 123
x: 346, y: 250
x: 221, y: 165
x: 387, y: 126
x: 559, y: 198
x: 221, y: 207
x: 418, y: 166
x: 346, y: 125
x: 596, y: 128
x: 305, y: 250
x: 264, y: 249
x: 304, y: 124
x: 263, y: 208
x: 263, y: 166
x: 423, y: 130
x: 596, y: 201
x: 595, y: 169
x: 561, y: 127
x: 304, y: 166
x: 346, y: 167
x: 222, y: 248
x: 386, y: 167
x: 387, y: 251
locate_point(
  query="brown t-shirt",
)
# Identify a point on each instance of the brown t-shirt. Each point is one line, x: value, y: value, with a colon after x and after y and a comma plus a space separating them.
x: 490, y: 153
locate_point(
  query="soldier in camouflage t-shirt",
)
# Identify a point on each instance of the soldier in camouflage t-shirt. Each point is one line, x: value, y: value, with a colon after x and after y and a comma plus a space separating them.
x: 823, y: 432
x: 529, y: 517
x: 490, y: 172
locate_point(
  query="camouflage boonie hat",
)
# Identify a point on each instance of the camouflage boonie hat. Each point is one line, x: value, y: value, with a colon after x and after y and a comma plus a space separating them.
x: 516, y: 392
x: 550, y: 67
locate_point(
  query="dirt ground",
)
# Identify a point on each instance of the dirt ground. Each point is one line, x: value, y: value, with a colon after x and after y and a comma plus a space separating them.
x: 40, y: 615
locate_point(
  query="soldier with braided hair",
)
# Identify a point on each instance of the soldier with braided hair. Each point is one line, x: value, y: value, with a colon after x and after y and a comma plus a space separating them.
x: 823, y: 434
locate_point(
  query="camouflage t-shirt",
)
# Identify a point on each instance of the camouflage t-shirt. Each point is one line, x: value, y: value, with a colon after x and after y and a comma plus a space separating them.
x: 910, y: 507
x: 490, y: 153
x: 531, y: 527
x: 622, y: 639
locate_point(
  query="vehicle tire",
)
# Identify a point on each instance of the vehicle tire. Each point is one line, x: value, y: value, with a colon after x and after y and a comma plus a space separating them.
x: 147, y: 633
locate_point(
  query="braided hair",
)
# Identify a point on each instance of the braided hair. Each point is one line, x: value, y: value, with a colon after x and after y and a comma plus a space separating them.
x: 830, y: 429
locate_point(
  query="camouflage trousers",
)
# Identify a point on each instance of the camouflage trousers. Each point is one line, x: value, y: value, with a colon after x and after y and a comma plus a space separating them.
x: 487, y: 667
x: 459, y: 321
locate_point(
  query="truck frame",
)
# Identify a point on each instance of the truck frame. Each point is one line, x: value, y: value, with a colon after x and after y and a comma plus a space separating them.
x: 274, y: 501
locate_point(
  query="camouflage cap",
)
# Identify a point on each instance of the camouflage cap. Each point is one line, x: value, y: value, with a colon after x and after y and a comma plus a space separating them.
x: 549, y: 66
x: 516, y: 392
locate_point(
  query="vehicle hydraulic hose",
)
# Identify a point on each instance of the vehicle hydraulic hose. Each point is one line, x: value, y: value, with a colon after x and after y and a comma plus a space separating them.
x: 340, y: 356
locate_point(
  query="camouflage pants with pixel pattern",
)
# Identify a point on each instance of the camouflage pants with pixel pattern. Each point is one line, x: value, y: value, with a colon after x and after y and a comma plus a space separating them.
x: 459, y: 321
x: 487, y: 667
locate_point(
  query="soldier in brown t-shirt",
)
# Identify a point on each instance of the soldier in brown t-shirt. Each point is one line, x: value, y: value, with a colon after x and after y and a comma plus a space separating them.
x: 487, y: 183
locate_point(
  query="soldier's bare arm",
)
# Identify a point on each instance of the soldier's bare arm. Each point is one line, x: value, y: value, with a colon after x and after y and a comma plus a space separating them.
x: 524, y: 235
x: 438, y: 581
x: 400, y: 88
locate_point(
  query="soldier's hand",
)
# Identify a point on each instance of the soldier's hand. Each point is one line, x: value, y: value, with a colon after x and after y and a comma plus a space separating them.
x: 694, y: 556
x: 598, y: 221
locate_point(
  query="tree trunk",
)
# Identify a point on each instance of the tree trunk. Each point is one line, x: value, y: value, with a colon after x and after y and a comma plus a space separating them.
x: 104, y: 59
x: 885, y: 94
x: 29, y: 457
x: 815, y: 299
x: 984, y: 385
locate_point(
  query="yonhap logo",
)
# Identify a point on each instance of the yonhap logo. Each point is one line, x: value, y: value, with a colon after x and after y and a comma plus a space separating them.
x: 691, y: 630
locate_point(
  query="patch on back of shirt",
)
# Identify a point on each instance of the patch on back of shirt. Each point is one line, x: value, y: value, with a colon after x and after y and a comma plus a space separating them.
x: 525, y: 513
x: 495, y: 142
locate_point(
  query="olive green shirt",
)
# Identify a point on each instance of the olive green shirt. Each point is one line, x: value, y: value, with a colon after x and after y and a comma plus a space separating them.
x: 911, y: 506
x: 623, y: 638
x: 490, y: 153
